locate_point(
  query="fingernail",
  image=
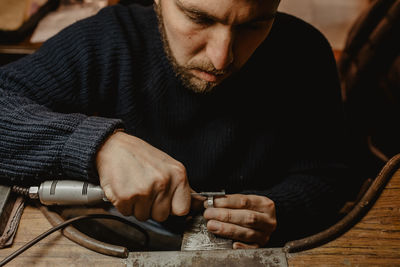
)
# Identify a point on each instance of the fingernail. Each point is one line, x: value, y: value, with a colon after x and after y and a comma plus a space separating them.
x: 213, y: 226
x: 237, y: 246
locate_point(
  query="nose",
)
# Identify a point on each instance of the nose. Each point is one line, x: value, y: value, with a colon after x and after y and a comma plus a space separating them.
x: 219, y: 47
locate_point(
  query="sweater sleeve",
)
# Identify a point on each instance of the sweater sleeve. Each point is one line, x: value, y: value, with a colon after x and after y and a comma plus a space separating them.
x: 52, y: 117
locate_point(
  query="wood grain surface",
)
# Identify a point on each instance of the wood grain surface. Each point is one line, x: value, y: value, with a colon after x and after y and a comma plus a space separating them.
x: 374, y: 241
x: 54, y: 250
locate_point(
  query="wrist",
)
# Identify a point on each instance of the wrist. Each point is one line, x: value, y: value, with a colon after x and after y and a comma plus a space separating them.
x: 101, y: 150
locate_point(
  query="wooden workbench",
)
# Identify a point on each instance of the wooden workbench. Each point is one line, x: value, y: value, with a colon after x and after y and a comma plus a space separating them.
x: 374, y: 241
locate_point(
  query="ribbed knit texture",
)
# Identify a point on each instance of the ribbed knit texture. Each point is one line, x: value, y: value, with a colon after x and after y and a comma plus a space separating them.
x: 275, y: 128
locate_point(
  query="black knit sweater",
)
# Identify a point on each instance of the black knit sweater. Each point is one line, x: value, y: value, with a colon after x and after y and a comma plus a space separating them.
x: 275, y: 128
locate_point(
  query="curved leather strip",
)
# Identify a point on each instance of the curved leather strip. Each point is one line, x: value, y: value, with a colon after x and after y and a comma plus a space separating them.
x: 78, y: 237
x: 376, y: 151
x: 353, y: 216
x: 370, y: 48
x: 7, y: 237
x: 361, y: 28
x: 365, y: 23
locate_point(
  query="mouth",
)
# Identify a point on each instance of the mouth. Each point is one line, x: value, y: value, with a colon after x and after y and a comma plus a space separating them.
x: 206, y: 76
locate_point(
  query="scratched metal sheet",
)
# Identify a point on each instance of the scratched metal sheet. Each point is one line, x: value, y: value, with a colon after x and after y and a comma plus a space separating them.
x: 273, y: 257
x: 197, y: 237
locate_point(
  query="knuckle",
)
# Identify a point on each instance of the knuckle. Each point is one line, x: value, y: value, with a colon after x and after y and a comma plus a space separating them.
x: 274, y: 224
x: 244, y: 202
x: 162, y: 183
x: 141, y: 192
x: 246, y: 236
x: 225, y: 216
x: 252, y: 219
x: 230, y: 233
x: 158, y: 175
x: 124, y: 195
x: 180, y: 168
x: 180, y: 172
x: 269, y: 204
x: 250, y: 235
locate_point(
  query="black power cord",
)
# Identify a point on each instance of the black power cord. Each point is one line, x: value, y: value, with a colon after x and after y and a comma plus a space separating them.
x: 66, y: 223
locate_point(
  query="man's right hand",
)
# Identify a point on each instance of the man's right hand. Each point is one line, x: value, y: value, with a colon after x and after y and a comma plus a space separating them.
x: 141, y: 180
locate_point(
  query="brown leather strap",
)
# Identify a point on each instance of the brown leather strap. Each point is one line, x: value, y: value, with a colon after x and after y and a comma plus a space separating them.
x: 353, y: 216
x: 78, y: 237
x: 8, y: 234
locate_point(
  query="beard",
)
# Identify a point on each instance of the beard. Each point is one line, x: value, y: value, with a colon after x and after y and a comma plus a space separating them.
x: 188, y: 80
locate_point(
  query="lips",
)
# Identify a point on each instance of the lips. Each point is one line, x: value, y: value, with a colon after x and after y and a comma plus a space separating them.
x: 206, y: 76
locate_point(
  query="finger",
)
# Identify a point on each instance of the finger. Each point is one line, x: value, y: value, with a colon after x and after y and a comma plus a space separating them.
x: 196, y: 196
x: 125, y: 210
x: 142, y: 208
x: 240, y: 245
x: 245, y: 218
x: 108, y: 193
x: 181, y: 199
x: 161, y: 207
x: 123, y: 207
x: 236, y: 232
x: 246, y: 202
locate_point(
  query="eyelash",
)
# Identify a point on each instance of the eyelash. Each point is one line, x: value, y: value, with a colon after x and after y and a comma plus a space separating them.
x: 200, y: 20
x: 207, y: 22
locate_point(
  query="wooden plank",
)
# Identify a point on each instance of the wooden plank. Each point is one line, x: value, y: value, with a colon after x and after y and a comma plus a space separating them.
x: 374, y: 241
x: 54, y: 250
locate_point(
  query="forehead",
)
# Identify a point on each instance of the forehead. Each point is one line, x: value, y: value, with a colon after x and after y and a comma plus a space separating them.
x: 231, y: 11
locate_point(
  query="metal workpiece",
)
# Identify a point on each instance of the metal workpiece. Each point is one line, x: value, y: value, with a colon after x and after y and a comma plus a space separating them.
x: 210, y: 194
x: 272, y: 257
x: 197, y: 237
x: 69, y: 192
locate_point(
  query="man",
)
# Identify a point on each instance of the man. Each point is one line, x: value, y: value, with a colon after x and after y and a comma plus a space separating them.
x: 193, y: 95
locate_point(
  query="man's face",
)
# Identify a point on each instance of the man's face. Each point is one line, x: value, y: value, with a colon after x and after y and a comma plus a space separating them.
x: 208, y: 40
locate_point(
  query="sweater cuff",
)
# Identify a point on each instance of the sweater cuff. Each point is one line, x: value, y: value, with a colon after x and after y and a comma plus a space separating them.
x: 78, y: 155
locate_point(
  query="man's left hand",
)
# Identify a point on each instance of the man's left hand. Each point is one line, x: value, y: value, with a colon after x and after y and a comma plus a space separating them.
x: 247, y: 218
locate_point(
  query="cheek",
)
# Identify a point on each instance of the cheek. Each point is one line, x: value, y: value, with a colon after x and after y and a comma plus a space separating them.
x: 185, y: 42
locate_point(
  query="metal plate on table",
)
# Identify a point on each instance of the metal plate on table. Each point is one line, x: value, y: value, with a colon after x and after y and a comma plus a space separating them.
x: 273, y: 257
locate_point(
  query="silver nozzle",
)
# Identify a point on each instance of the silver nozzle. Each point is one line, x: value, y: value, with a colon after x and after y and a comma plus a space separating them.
x: 34, y: 192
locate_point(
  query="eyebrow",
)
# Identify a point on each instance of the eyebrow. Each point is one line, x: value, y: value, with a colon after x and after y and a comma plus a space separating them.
x: 199, y: 13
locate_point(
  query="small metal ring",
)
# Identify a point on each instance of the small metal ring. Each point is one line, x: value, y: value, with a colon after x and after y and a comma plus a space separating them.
x: 210, y: 202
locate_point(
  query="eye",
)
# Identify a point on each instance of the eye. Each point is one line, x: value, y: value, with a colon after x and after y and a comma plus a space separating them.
x: 200, y: 20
